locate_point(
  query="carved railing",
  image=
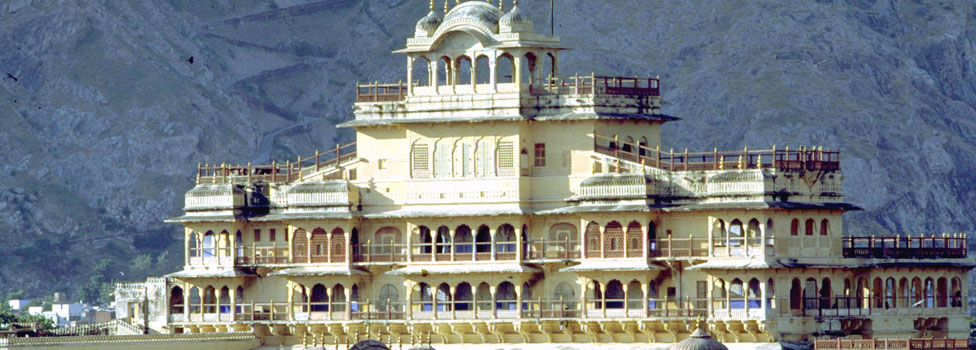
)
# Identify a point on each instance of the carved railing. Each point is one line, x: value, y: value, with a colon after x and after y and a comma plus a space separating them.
x: 781, y: 159
x: 893, y: 344
x: 945, y: 246
x: 276, y: 172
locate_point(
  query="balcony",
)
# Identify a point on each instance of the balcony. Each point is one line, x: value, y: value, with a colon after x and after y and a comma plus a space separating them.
x: 906, y: 247
x: 277, y: 172
x: 782, y: 159
x: 892, y: 344
x: 577, y: 85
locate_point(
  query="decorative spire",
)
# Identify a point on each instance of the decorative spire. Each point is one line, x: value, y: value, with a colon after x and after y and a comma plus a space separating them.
x: 431, y: 5
x: 501, y: 5
x: 446, y: 3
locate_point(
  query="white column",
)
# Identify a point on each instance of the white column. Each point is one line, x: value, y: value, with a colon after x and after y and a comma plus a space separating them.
x: 410, y: 75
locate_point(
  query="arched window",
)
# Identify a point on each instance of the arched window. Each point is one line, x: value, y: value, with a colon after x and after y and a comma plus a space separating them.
x: 825, y: 291
x: 635, y: 294
x: 338, y: 244
x: 443, y: 240
x: 809, y: 227
x: 718, y: 233
x: 754, y: 233
x: 628, y: 145
x: 425, y: 296
x: 300, y: 298
x: 917, y: 299
x: 239, y: 298
x: 877, y: 292
x: 613, y: 240
x: 718, y: 294
x: 442, y: 159
x: 224, y: 302
x: 737, y: 295
x: 796, y: 295
x: 890, y: 296
x: 176, y: 301
x: 420, y: 160
x: 929, y: 292
x: 615, y: 295
x: 905, y: 293
x: 421, y: 71
x: 464, y: 70
x: 595, y: 294
x: 810, y: 294
x: 483, y: 294
x: 592, y: 237
x: 320, y: 299
x: 320, y: 246
x: 505, y: 239
x: 389, y: 299
x: 863, y: 292
x: 642, y: 146
x: 484, y: 158
x: 736, y: 234
x: 505, y: 298
x: 956, y: 292
x: 194, y: 245
x: 239, y: 243
x: 770, y: 295
x: 528, y: 72
x: 223, y: 243
x: 505, y: 69
x: 299, y: 247
x: 550, y: 66
x: 426, y: 241
x: 795, y: 227
x: 652, y: 239
x: 209, y: 300
x: 338, y: 298
x: 754, y: 294
x: 652, y: 295
x: 483, y: 239
x: 463, y: 297
x: 483, y: 70
x: 770, y: 232
x: 463, y: 163
x: 209, y: 245
x: 565, y: 294
x: 195, y: 306
x: 385, y: 242
x: 824, y: 227
x: 562, y: 237
x: 635, y: 246
x: 941, y: 293
x: 443, y: 297
x: 444, y: 71
x: 463, y: 242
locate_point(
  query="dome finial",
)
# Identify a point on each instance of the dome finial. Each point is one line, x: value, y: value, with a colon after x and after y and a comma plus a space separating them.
x: 501, y: 5
x: 431, y: 5
x: 446, y: 3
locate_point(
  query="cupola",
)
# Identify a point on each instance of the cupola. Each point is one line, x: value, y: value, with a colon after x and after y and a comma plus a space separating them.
x: 515, y: 22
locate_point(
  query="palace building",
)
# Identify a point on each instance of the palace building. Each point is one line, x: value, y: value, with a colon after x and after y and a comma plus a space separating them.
x: 489, y: 199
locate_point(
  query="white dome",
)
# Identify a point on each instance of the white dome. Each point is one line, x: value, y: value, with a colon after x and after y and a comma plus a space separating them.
x: 515, y: 22
x: 427, y: 25
x: 479, y: 12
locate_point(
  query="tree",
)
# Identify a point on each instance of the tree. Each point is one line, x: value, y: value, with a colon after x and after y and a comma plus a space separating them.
x: 91, y: 291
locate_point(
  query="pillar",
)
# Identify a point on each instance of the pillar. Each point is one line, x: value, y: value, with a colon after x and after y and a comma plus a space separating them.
x: 494, y: 301
x: 762, y: 295
x: 711, y: 239
x: 453, y: 74
x: 603, y: 298
x: 493, y: 68
x: 709, y: 294
x: 233, y: 248
x: 433, y: 75
x: 233, y: 303
x: 348, y: 311
x: 410, y: 75
x: 433, y: 300
x: 328, y: 300
x: 644, y: 304
x: 626, y: 298
x: 186, y: 301
x: 291, y: 301
x: 474, y: 72
x: 408, y: 309
x: 583, y: 288
x: 519, y: 244
x: 186, y: 246
x: 762, y: 244
x: 409, y: 237
x: 348, y: 238
x: 518, y: 301
x: 603, y: 244
x: 451, y: 233
x: 517, y: 72
x: 645, y: 232
x: 491, y: 231
x: 308, y: 246
x: 453, y: 289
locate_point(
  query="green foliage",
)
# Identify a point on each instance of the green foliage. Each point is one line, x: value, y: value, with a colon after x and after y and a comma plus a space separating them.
x: 8, y: 316
x: 92, y: 292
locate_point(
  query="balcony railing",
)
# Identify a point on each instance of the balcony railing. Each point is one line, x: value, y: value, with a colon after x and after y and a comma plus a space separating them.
x: 276, y: 172
x: 906, y: 247
x: 576, y: 85
x: 781, y: 159
x: 263, y: 255
x: 893, y: 344
x: 853, y: 307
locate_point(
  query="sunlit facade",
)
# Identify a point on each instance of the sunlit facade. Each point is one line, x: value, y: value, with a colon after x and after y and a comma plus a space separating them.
x: 488, y: 199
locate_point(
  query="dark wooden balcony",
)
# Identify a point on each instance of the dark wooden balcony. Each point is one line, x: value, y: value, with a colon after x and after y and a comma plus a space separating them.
x: 906, y: 247
x: 276, y: 172
x: 892, y: 344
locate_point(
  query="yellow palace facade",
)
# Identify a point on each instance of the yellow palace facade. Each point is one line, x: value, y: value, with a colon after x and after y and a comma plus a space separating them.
x: 487, y: 199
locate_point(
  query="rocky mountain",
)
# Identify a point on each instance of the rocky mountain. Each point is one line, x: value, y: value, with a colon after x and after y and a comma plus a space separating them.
x: 106, y: 107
